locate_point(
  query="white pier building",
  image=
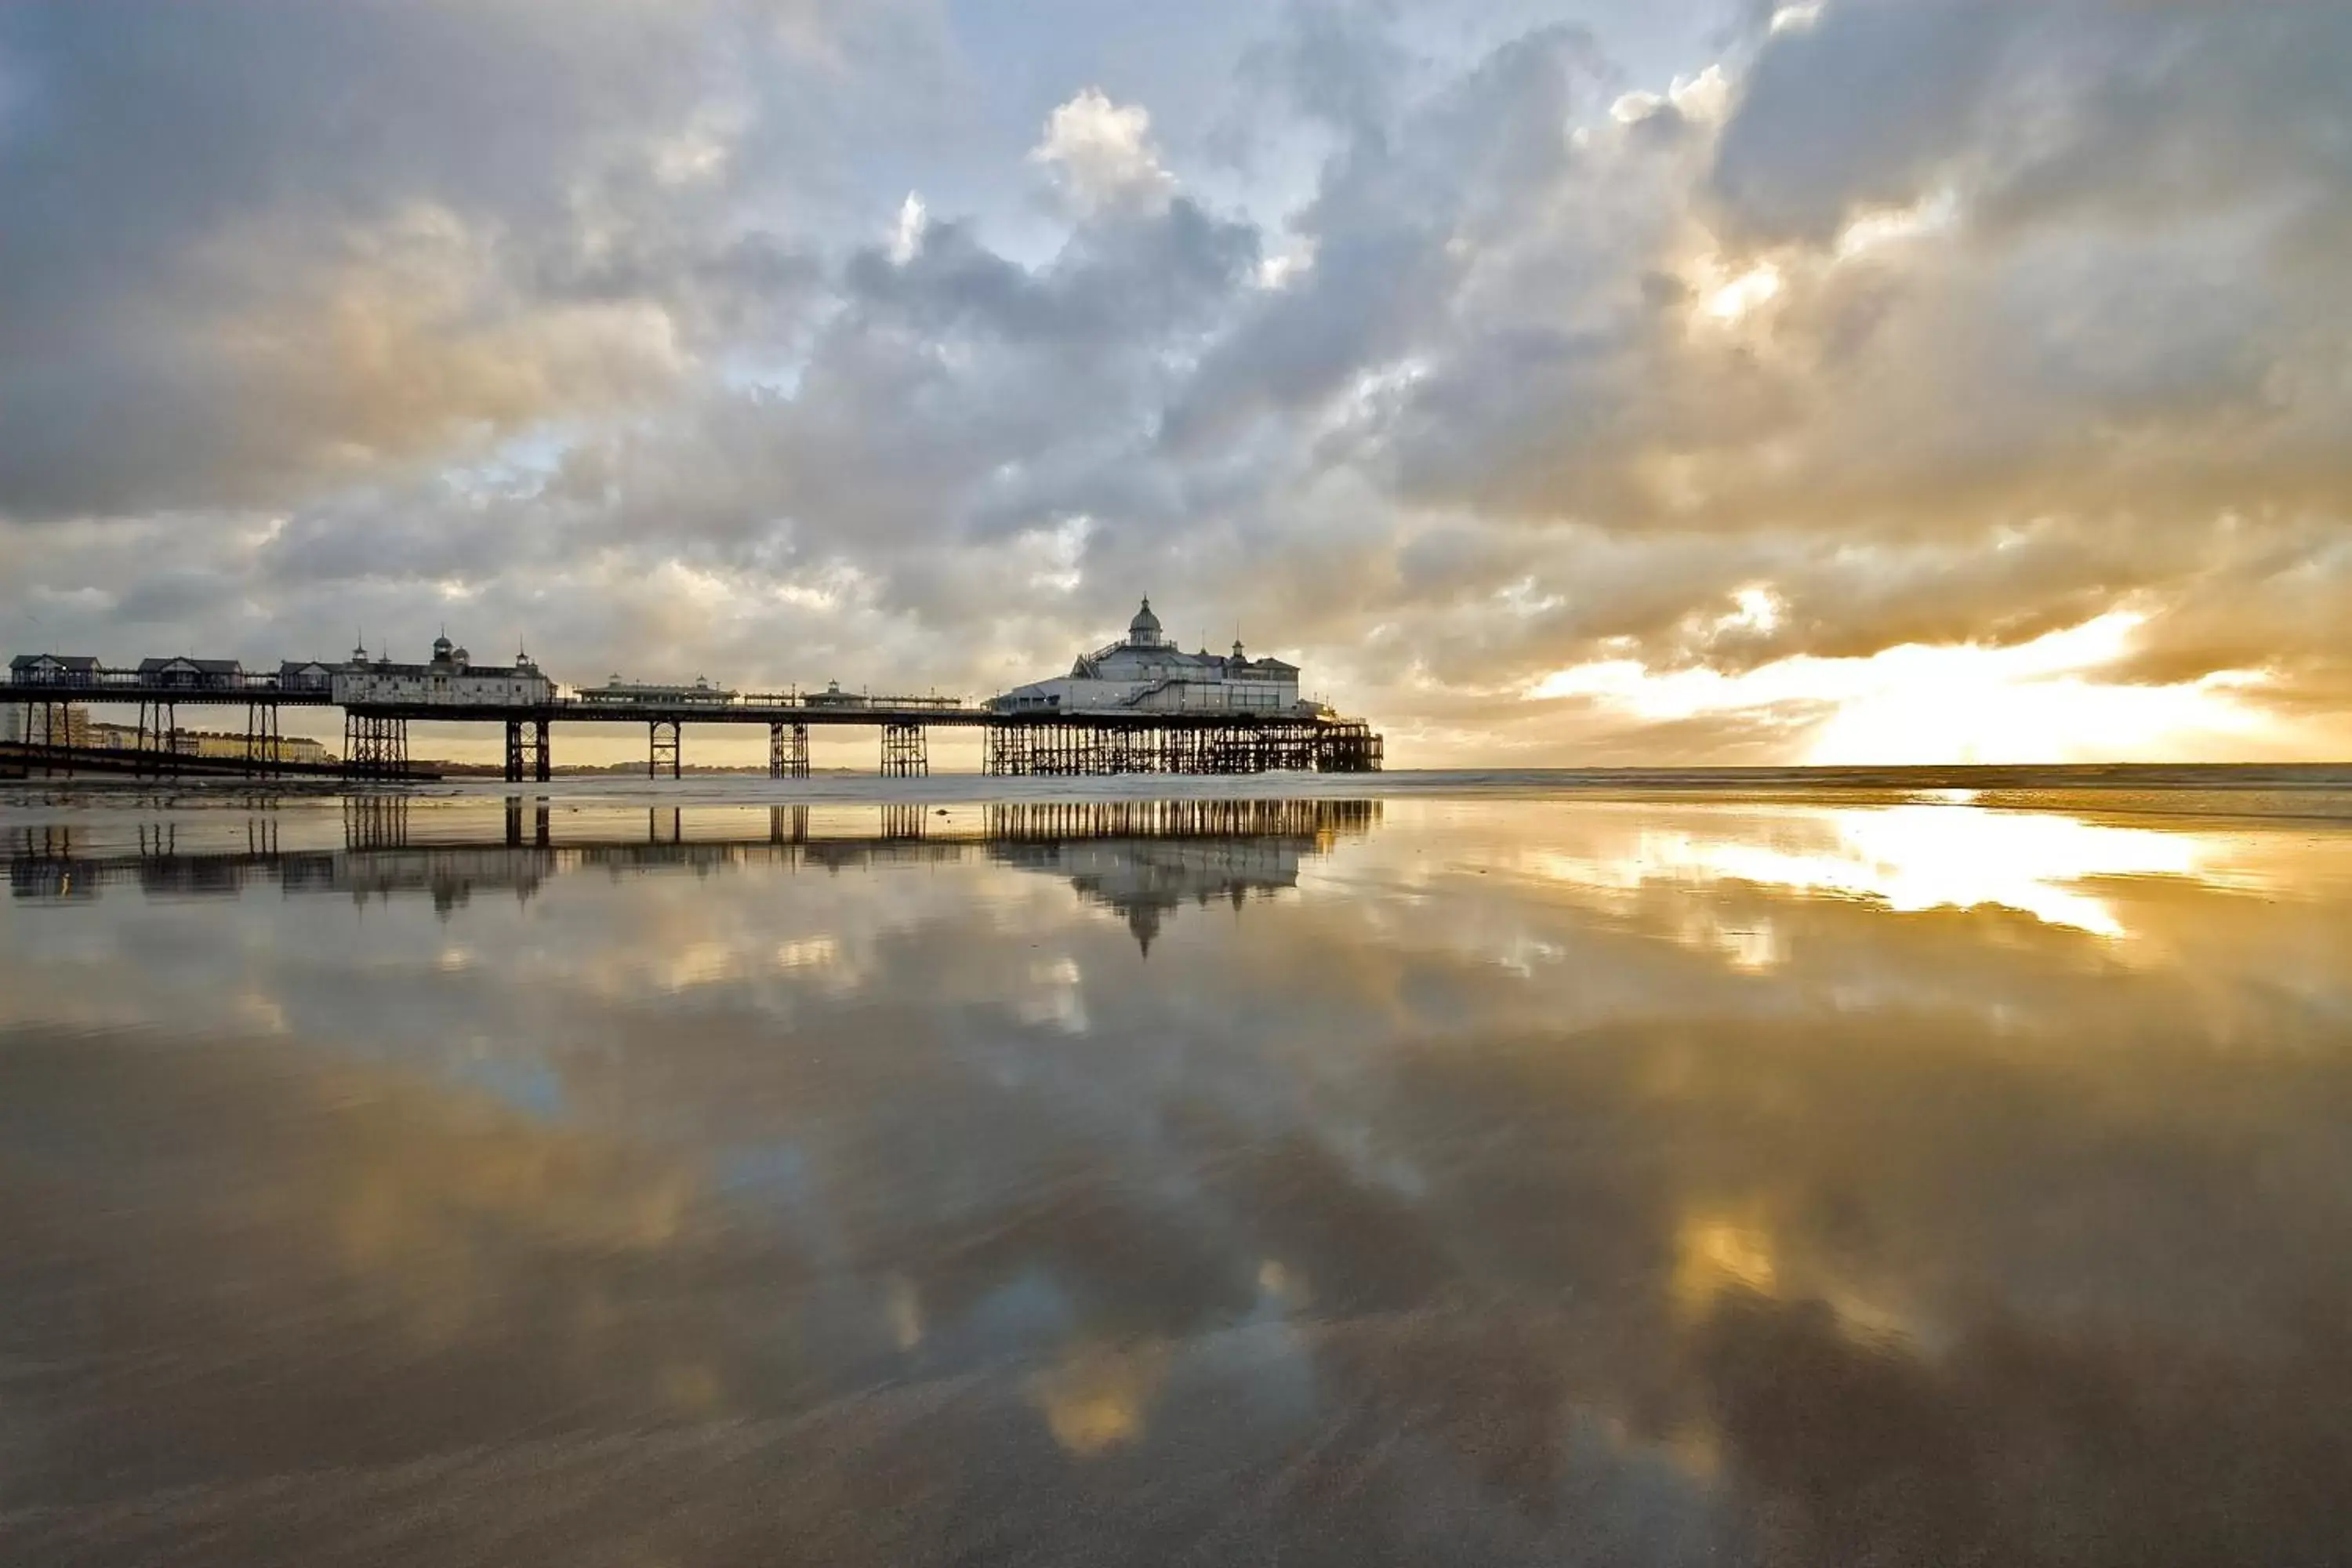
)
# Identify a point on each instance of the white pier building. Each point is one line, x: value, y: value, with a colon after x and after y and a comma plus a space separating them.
x: 451, y: 678
x: 1147, y: 673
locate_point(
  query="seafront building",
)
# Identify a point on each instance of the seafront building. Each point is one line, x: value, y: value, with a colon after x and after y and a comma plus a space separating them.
x: 1147, y: 673
x: 66, y: 724
x: 220, y: 743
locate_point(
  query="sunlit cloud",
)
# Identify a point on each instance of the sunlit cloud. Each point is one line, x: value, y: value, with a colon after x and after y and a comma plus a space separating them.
x: 907, y: 233
x: 1757, y: 286
x: 1493, y: 393
x: 2036, y: 701
x: 1103, y: 154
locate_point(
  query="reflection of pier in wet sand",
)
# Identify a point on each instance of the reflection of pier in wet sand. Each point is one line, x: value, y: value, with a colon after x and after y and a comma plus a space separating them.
x: 1140, y: 858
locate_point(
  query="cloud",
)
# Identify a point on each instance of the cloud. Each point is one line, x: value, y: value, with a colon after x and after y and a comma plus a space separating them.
x: 273, y: 249
x: 1947, y: 323
x: 1102, y: 156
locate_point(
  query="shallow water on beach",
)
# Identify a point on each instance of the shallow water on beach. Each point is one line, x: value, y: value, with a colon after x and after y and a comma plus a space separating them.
x: 1481, y: 1171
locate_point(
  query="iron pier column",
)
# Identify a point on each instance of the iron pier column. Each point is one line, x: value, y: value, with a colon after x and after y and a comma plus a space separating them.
x: 788, y: 750
x: 264, y: 743
x: 159, y: 738
x: 905, y: 754
x: 375, y: 746
x: 662, y: 747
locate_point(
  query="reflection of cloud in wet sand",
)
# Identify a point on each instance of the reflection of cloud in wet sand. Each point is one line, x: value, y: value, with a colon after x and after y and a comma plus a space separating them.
x: 1326, y: 1237
x: 1096, y: 1397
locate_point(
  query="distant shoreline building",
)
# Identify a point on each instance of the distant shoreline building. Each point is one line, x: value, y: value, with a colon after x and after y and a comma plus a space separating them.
x: 61, y: 724
x: 220, y: 743
x: 1147, y: 673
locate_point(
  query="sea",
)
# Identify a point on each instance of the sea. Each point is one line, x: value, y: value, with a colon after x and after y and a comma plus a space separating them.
x: 1770, y: 1166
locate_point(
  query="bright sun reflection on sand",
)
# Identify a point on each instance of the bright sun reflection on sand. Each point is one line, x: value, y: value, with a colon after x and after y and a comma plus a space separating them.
x: 1908, y: 859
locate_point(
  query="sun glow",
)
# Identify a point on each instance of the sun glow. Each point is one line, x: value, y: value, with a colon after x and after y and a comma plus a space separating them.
x: 1757, y: 286
x: 2037, y: 701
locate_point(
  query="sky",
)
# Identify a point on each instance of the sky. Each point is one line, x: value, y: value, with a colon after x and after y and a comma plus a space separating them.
x: 1558, y: 383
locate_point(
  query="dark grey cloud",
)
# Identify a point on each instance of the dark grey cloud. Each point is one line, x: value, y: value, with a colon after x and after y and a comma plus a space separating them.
x: 1861, y: 107
x: 262, y: 245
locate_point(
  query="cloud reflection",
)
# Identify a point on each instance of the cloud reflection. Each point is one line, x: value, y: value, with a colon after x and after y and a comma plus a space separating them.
x: 1905, y: 858
x: 1451, y: 1191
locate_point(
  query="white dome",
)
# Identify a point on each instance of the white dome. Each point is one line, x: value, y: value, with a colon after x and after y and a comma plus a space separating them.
x: 1145, y: 627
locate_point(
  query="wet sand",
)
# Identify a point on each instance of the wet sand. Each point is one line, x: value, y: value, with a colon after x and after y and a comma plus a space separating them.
x: 1468, y: 1171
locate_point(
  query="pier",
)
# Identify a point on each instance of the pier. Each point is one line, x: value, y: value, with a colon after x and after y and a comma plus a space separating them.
x: 378, y: 701
x: 376, y: 745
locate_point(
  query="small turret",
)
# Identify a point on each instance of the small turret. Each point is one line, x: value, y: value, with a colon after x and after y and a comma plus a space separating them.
x: 1144, y: 630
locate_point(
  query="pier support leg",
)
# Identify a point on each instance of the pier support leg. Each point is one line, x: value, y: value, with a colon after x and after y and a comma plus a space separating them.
x: 49, y: 724
x: 56, y: 734
x: 525, y: 750
x: 158, y: 747
x: 788, y: 750
x: 264, y: 748
x: 662, y: 745
x: 543, y: 769
x: 158, y: 739
x: 374, y: 746
x: 905, y: 753
x: 514, y: 776
x: 1069, y: 747
x: 1348, y: 748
